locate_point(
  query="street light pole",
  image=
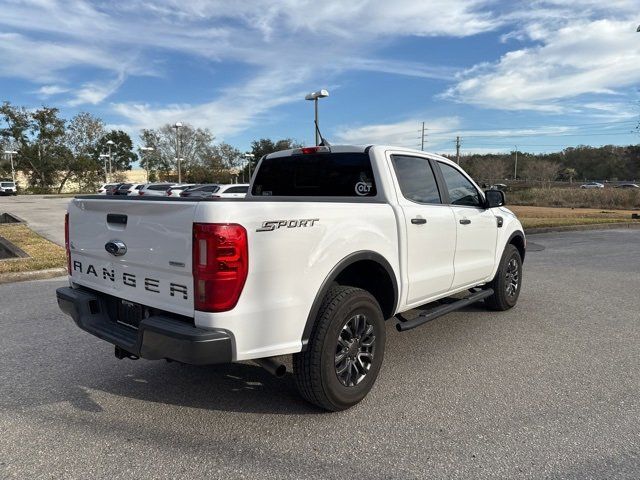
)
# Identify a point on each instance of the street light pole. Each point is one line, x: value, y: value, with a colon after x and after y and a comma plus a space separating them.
x: 249, y: 157
x: 315, y: 96
x: 146, y: 163
x: 11, y: 153
x: 106, y: 172
x: 515, y: 167
x: 110, y: 143
x: 177, y: 126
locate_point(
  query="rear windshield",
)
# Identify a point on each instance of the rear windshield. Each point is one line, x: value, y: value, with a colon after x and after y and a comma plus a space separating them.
x: 6, y: 184
x: 316, y: 175
x: 158, y: 187
x: 125, y: 186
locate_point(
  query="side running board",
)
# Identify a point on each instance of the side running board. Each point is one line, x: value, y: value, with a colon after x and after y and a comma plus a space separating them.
x: 404, y: 324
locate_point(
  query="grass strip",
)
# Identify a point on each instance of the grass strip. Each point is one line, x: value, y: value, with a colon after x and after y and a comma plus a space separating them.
x: 43, y: 254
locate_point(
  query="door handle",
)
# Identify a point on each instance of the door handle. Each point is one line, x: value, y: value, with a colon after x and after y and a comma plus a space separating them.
x: 418, y: 221
x: 465, y: 221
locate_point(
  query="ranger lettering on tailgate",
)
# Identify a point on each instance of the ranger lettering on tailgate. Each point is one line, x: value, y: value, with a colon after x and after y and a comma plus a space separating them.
x: 150, y: 284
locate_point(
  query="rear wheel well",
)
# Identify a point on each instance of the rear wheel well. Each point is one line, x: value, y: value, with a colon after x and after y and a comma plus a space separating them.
x: 369, y: 275
x: 518, y: 242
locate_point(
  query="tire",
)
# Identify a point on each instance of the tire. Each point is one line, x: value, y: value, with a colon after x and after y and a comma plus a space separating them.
x: 507, y: 282
x: 338, y: 369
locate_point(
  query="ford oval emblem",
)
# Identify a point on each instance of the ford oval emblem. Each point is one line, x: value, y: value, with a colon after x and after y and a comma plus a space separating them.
x: 115, y: 248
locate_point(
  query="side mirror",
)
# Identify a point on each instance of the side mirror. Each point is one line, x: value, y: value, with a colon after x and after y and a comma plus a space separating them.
x: 494, y: 198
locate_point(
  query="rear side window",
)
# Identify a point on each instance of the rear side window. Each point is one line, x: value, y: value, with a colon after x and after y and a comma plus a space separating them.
x: 158, y: 187
x: 316, y: 175
x: 416, y: 179
x: 237, y: 190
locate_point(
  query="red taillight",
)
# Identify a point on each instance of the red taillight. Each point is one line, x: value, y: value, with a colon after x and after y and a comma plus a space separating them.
x: 308, y: 150
x: 140, y: 192
x: 220, y: 265
x: 66, y: 242
x: 169, y: 193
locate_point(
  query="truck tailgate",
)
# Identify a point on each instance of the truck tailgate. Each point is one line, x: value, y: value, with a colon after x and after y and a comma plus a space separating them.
x: 153, y: 269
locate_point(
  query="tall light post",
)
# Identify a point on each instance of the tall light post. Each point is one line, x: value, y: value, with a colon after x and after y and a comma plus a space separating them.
x: 315, y: 96
x: 146, y: 163
x: 11, y: 153
x: 110, y: 143
x: 515, y: 167
x: 249, y: 157
x: 106, y: 171
x: 178, y: 126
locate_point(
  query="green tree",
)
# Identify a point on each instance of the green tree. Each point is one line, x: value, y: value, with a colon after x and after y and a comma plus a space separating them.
x: 83, y: 133
x: 196, y: 145
x: 122, y: 154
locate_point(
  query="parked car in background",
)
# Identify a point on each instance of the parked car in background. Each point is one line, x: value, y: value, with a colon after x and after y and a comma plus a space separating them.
x: 235, y: 190
x: 201, y: 191
x: 628, y: 185
x: 112, y: 189
x: 130, y: 189
x: 592, y: 185
x: 103, y: 188
x: 155, y: 189
x: 8, y: 188
x: 176, y: 190
x: 123, y: 189
x: 499, y: 186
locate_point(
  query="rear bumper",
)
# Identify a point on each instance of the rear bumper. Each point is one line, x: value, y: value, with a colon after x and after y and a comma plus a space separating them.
x: 156, y: 338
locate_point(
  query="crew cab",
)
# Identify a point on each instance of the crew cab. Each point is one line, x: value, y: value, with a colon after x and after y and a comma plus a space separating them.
x: 328, y: 244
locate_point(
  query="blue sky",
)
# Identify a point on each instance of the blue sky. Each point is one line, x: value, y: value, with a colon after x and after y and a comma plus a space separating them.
x: 542, y: 75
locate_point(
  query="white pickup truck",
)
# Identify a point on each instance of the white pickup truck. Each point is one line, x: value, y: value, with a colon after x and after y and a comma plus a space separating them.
x: 328, y: 244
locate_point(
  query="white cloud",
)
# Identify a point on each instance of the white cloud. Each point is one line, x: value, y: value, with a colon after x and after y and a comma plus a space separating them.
x: 49, y: 90
x: 95, y: 92
x: 405, y: 133
x: 582, y: 57
x: 234, y: 110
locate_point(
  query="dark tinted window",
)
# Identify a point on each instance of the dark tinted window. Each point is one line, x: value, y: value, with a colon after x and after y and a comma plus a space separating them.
x: 163, y: 186
x: 316, y: 175
x: 125, y: 186
x: 237, y: 190
x: 461, y: 190
x: 208, y: 188
x: 416, y: 179
x: 139, y: 187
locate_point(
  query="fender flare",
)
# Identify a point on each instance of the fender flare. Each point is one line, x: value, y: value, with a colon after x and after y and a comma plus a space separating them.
x: 520, y: 234
x: 333, y: 274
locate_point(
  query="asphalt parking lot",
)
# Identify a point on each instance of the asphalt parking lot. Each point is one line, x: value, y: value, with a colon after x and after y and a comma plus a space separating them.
x: 550, y: 389
x: 43, y: 213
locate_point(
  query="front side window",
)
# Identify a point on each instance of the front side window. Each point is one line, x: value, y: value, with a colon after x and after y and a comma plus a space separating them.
x: 347, y: 174
x: 416, y: 179
x: 461, y: 190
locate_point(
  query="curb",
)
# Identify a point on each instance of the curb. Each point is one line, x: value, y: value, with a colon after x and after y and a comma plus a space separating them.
x: 574, y: 228
x: 12, y: 277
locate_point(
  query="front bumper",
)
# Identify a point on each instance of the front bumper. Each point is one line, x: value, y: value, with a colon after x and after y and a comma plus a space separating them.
x: 157, y: 336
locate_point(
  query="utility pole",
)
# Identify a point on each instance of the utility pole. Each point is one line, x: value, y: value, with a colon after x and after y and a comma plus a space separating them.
x: 458, y: 150
x: 422, y: 138
x: 515, y: 168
